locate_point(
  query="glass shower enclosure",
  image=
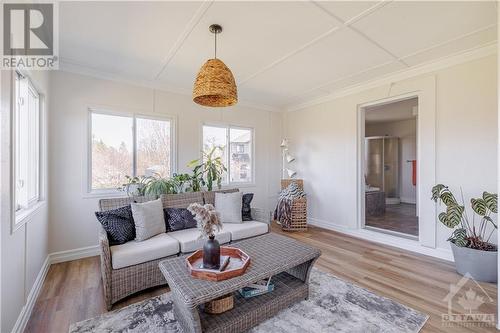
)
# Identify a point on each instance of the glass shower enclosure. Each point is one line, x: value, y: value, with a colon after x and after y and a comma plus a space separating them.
x: 382, y: 166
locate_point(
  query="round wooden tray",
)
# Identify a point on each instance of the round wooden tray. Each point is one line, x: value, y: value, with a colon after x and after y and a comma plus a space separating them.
x: 238, y: 264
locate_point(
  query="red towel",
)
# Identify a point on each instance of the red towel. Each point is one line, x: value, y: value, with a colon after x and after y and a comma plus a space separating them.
x: 414, y: 172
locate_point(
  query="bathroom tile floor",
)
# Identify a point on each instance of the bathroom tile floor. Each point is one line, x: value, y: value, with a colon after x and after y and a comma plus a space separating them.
x: 400, y: 218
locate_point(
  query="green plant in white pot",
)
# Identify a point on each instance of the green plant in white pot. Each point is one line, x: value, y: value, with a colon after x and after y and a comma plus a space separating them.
x: 470, y: 240
x: 134, y: 185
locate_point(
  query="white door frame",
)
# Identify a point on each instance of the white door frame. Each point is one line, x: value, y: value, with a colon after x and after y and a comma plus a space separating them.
x: 427, y: 232
x: 361, y: 147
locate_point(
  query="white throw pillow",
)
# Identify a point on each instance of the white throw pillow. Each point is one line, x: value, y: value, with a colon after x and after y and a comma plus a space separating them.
x: 148, y: 219
x: 228, y: 205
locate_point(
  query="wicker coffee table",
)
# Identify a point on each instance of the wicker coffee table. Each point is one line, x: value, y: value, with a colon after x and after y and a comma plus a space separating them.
x: 287, y: 260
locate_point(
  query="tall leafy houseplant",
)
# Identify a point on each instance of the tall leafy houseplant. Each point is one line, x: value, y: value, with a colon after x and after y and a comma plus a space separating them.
x: 157, y: 186
x: 182, y: 183
x: 468, y: 232
x: 209, y: 169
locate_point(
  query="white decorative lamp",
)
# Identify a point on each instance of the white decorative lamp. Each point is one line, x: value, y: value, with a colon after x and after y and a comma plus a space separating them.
x: 287, y: 158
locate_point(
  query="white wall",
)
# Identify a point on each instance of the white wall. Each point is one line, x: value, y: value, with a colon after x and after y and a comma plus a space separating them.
x: 73, y: 224
x: 406, y: 131
x: 324, y: 139
x: 24, y: 251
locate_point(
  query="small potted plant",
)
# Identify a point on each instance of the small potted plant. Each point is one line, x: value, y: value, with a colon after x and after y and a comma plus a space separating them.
x: 470, y: 240
x: 134, y: 186
x: 208, y: 223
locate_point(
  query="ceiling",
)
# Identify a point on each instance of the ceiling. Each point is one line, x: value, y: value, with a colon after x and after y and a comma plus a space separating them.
x: 393, y: 111
x: 281, y: 53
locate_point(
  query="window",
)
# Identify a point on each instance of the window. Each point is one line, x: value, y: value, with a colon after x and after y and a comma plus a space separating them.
x: 26, y: 143
x: 128, y: 145
x: 112, y: 147
x: 236, y: 146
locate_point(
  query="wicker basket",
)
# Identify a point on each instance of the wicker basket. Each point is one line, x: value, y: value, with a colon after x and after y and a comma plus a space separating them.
x: 299, y: 208
x: 220, y: 305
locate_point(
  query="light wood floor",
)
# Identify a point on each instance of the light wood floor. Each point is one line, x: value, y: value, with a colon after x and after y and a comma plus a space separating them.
x: 73, y: 290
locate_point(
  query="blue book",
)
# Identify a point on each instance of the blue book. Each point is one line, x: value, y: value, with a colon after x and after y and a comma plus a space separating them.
x: 257, y: 289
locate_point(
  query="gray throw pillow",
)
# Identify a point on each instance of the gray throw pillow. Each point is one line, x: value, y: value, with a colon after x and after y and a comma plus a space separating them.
x: 229, y: 205
x: 148, y: 219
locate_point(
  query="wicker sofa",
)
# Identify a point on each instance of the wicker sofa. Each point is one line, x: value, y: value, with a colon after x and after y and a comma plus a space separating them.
x: 131, y: 267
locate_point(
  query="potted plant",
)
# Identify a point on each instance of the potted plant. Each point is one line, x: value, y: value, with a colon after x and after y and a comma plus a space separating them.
x: 181, y: 182
x: 470, y: 240
x: 157, y: 186
x: 208, y: 170
x: 134, y: 185
x: 208, y: 223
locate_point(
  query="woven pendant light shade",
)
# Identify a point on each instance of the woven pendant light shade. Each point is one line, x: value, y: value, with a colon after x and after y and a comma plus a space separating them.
x: 215, y: 85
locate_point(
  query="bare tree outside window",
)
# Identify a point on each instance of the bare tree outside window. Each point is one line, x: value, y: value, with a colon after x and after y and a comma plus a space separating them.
x: 153, y: 147
x: 113, y: 149
x: 216, y: 137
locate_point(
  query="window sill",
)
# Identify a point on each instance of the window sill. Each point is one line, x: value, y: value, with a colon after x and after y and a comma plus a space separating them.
x: 238, y: 185
x: 104, y: 194
x: 121, y: 194
x: 23, y: 216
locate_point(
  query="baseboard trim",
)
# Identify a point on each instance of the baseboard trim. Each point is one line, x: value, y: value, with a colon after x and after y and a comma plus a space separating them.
x: 377, y: 237
x: 83, y: 252
x: 25, y: 314
x: 52, y: 258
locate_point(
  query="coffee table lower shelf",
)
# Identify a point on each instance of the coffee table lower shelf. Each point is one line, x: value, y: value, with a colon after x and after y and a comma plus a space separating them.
x: 249, y: 312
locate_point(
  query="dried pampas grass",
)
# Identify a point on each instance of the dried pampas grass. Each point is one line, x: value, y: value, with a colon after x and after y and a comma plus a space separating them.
x: 207, y: 219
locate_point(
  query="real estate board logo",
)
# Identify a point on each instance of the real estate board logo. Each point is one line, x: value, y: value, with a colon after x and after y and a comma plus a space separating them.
x: 29, y: 36
x: 469, y: 305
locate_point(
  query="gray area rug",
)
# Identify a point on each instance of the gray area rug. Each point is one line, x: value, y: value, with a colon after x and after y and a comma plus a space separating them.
x: 333, y: 306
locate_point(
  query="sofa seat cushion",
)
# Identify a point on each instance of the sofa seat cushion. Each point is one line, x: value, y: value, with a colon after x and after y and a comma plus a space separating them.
x: 189, y: 240
x: 133, y: 253
x: 246, y: 229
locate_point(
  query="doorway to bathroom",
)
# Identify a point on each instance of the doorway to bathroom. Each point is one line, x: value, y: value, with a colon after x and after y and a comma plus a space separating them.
x: 390, y: 167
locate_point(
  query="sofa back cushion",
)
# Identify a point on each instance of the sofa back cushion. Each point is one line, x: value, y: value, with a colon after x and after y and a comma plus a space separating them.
x: 209, y: 196
x: 178, y: 219
x: 246, y: 209
x: 181, y: 200
x: 229, y: 205
x: 118, y: 224
x: 148, y: 218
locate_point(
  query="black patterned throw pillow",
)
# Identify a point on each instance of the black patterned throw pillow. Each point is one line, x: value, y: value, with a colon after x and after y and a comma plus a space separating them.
x: 118, y: 223
x: 178, y: 219
x: 246, y: 210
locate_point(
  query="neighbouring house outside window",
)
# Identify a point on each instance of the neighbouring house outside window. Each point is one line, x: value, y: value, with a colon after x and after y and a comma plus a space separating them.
x: 236, y: 153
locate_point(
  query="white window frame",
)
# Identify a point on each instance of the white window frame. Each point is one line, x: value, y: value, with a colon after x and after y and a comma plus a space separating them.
x: 22, y: 216
x: 89, y: 191
x: 228, y: 128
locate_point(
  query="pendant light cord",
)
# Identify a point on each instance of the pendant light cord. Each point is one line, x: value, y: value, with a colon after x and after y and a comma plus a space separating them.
x: 215, y: 44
